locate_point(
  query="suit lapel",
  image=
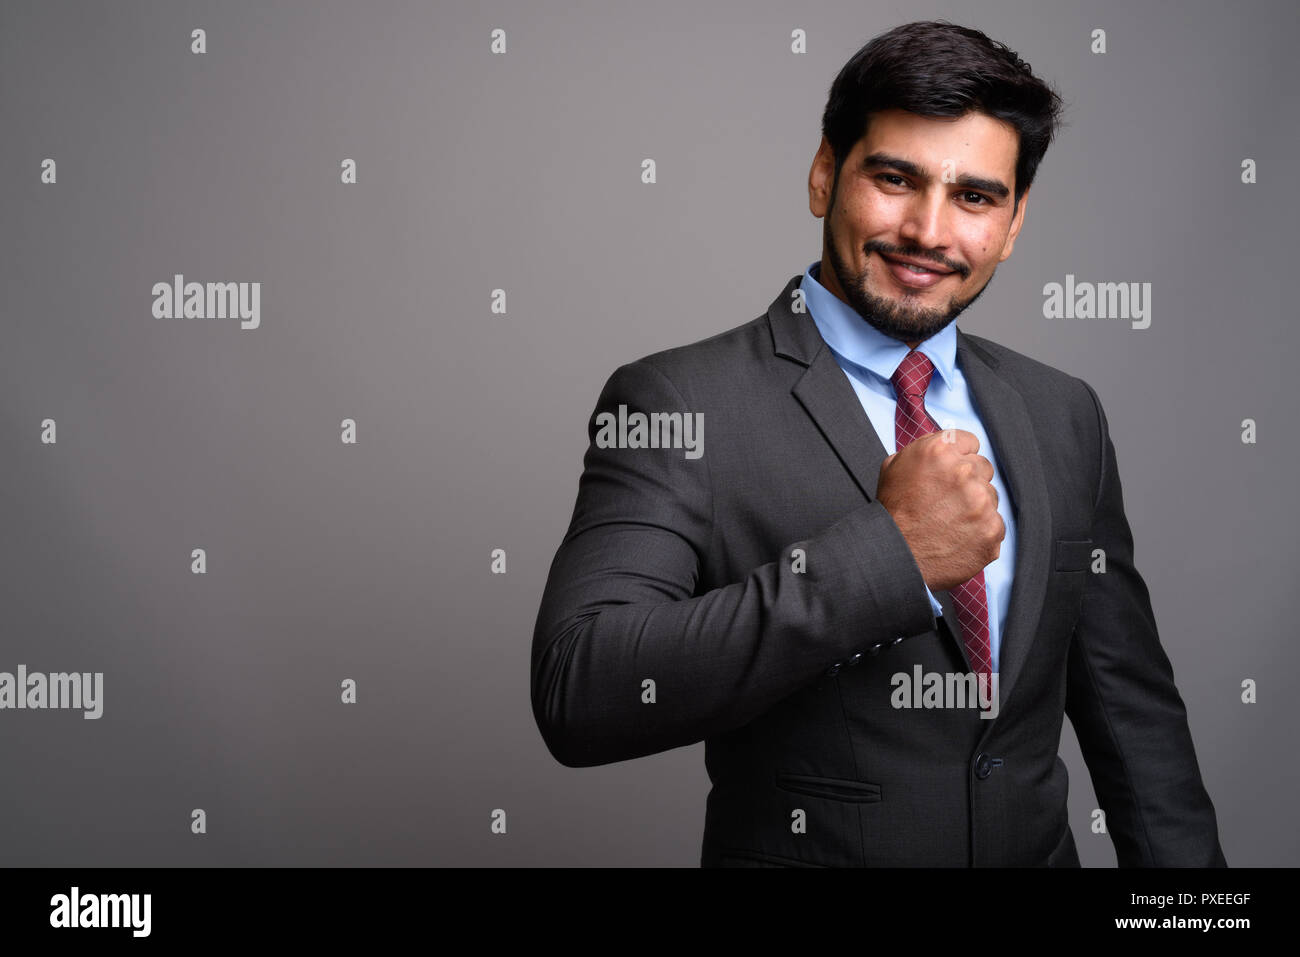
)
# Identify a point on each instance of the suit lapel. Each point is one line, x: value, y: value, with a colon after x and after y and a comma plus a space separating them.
x: 825, y: 392
x: 1006, y: 420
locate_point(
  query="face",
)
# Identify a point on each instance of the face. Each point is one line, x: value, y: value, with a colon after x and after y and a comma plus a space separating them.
x: 935, y: 190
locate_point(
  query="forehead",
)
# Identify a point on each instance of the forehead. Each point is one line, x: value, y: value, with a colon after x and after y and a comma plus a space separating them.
x: 975, y: 141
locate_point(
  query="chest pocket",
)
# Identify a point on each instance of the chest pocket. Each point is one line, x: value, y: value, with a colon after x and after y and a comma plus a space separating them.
x: 1073, y: 555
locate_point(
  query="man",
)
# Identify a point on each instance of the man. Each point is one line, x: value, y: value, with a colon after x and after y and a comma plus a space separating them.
x: 886, y: 507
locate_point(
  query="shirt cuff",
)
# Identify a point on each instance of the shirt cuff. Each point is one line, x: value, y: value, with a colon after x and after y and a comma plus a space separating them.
x: 934, y: 603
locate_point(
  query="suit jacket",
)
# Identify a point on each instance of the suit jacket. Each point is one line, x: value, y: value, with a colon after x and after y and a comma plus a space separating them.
x: 759, y: 598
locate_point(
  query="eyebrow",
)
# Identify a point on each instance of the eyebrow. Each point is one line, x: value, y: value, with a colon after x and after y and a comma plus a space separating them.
x: 993, y: 186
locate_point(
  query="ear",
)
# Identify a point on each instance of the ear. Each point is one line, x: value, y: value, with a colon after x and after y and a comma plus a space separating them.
x: 820, y: 179
x: 1016, y: 222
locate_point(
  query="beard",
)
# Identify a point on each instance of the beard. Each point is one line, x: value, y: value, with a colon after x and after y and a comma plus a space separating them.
x: 903, y: 318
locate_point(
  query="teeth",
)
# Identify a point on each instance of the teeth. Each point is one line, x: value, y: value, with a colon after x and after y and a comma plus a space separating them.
x: 916, y: 268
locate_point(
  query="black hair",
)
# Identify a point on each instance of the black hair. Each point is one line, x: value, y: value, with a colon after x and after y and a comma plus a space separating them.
x: 936, y: 68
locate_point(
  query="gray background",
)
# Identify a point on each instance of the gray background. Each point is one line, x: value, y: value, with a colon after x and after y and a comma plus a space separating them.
x: 522, y: 171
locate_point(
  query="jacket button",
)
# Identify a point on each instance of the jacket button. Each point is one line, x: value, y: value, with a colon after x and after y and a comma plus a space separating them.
x: 833, y: 669
x: 897, y: 640
x: 983, y: 766
x: 874, y: 649
x: 857, y: 657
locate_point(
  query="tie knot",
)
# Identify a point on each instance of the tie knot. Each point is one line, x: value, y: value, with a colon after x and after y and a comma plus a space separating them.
x: 913, y: 374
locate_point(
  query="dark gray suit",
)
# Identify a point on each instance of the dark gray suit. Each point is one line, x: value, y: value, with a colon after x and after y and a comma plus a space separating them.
x: 684, y: 572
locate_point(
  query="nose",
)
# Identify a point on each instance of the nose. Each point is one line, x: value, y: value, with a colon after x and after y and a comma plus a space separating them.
x: 926, y: 221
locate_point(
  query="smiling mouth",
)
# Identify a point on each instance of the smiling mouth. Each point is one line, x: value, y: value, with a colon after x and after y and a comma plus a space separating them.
x: 918, y: 270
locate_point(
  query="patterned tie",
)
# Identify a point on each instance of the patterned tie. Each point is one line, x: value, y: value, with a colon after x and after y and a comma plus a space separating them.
x: 911, y: 421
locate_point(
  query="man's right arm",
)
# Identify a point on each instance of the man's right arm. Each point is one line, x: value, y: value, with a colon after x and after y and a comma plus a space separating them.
x: 620, y: 607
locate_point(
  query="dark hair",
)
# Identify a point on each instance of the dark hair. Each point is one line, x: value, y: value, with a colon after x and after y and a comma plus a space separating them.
x: 936, y: 68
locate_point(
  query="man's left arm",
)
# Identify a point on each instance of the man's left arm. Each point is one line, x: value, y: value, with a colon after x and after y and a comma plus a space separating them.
x: 1126, y: 711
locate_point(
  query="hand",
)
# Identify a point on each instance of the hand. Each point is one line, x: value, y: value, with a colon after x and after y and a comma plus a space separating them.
x: 938, y: 491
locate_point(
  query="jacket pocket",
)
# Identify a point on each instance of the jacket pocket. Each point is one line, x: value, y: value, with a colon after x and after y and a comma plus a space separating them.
x: 833, y: 789
x: 1073, y: 555
x: 735, y: 857
x: 1065, y: 854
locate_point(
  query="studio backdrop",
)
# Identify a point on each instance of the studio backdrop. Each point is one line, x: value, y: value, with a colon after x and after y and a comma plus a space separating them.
x: 274, y: 550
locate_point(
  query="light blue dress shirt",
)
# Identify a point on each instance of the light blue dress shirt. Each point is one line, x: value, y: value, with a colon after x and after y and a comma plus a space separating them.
x: 869, y: 358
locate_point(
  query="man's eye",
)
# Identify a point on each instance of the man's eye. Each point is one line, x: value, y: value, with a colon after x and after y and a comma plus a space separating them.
x: 893, y: 179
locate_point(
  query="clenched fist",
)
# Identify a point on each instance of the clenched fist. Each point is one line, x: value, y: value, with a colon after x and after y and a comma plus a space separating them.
x: 938, y: 490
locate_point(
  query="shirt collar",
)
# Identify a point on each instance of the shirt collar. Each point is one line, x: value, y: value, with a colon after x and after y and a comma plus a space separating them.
x: 852, y: 337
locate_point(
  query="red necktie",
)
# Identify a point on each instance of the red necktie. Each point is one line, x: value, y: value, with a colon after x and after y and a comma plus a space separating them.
x: 911, y: 421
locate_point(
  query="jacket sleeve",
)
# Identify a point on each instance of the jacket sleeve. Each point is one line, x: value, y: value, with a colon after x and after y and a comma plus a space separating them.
x: 1125, y: 709
x: 621, y: 606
